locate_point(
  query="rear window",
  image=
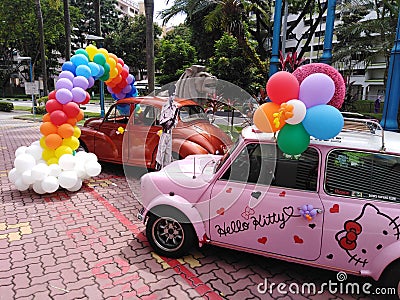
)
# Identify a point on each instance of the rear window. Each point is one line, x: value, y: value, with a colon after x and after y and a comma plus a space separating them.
x: 191, y: 113
x: 366, y: 175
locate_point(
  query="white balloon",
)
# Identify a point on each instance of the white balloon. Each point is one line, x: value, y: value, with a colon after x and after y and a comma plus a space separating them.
x: 93, y: 168
x: 54, y: 170
x: 80, y: 154
x: 36, y: 143
x: 41, y: 161
x: 13, y: 175
x: 90, y: 157
x: 20, y: 150
x: 299, y: 112
x: 27, y: 177
x: 50, y: 184
x: 40, y: 171
x: 77, y: 186
x: 67, y: 179
x: 20, y: 185
x: 24, y: 162
x: 37, y: 187
x: 67, y: 162
x: 35, y: 151
x: 80, y: 170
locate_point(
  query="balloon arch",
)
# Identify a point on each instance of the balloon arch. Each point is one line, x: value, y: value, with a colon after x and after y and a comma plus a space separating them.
x: 53, y: 161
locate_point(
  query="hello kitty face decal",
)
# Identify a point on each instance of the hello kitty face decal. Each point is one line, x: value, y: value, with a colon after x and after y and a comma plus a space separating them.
x: 368, y: 234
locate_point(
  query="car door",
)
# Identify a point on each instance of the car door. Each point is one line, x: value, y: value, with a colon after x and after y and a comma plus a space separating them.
x: 142, y: 133
x: 261, y: 202
x: 108, y: 141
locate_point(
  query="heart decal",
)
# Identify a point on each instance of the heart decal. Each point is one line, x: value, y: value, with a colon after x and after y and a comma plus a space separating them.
x: 229, y: 190
x: 256, y: 194
x: 262, y: 240
x: 298, y: 240
x: 329, y: 256
x: 282, y: 194
x: 334, y: 209
x: 221, y: 211
x: 312, y: 225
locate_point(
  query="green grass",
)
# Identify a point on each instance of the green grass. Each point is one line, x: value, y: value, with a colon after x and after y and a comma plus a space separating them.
x: 22, y: 108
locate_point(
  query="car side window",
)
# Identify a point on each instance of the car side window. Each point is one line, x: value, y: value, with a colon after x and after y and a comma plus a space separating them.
x: 119, y: 114
x: 365, y: 175
x: 146, y: 115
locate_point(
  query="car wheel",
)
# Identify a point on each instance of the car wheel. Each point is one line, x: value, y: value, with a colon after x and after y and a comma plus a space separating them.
x: 82, y: 147
x: 391, y: 279
x: 170, y: 234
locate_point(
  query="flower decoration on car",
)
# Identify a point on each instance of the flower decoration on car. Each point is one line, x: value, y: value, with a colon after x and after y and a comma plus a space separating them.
x: 308, y: 212
x: 300, y: 110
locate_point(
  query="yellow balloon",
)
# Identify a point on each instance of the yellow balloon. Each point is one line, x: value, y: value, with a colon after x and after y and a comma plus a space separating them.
x: 53, y: 160
x: 91, y: 50
x: 77, y: 132
x: 104, y: 51
x: 62, y: 150
x: 111, y: 61
x: 42, y: 143
x: 113, y: 72
x: 71, y: 142
x: 47, y: 154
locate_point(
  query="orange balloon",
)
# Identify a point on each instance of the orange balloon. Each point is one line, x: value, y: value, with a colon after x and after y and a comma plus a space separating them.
x: 53, y: 141
x: 66, y: 130
x: 47, y: 128
x: 46, y: 118
x: 263, y: 117
x: 119, y: 68
x: 113, y: 56
x: 72, y: 121
x: 80, y: 116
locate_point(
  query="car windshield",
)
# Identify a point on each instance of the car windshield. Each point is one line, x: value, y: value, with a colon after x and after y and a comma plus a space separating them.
x: 192, y: 113
x: 224, y: 158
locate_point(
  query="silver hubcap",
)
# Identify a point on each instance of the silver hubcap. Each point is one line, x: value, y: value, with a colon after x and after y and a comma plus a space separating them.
x: 168, y: 234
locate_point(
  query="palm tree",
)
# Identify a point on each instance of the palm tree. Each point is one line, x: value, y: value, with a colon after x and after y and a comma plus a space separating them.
x: 97, y: 16
x: 39, y: 17
x: 67, y: 24
x: 149, y: 11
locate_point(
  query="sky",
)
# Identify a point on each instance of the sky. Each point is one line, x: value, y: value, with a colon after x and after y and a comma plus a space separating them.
x: 159, y: 5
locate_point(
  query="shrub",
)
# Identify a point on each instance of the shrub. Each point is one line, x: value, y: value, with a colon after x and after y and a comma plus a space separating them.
x: 40, y: 110
x: 6, y: 106
x: 42, y: 100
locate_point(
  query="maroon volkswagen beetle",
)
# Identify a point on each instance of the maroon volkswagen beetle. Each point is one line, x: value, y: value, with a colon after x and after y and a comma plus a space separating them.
x: 128, y: 132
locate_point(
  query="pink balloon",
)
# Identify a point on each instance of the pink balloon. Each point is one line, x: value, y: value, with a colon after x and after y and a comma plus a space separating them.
x: 316, y: 89
x: 64, y: 96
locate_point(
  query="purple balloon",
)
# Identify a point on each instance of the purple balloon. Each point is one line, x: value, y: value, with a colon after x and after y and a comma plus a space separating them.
x: 80, y: 81
x: 130, y: 79
x: 67, y: 74
x: 83, y: 70
x: 127, y: 89
x: 316, y: 89
x: 120, y: 95
x: 91, y: 82
x: 109, y: 89
x: 64, y: 96
x: 126, y: 67
x: 79, y: 94
x: 64, y: 83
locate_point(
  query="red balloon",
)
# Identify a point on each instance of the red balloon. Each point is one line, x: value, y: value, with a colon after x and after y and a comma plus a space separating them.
x: 71, y: 109
x: 116, y: 90
x: 87, y: 99
x: 121, y: 61
x: 58, y: 117
x: 122, y: 84
x: 282, y: 87
x: 124, y: 73
x: 53, y: 105
x: 52, y: 95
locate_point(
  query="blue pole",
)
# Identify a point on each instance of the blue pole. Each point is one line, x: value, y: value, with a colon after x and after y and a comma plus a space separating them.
x: 102, y: 110
x: 391, y: 104
x: 273, y: 66
x: 33, y: 96
x: 326, y: 57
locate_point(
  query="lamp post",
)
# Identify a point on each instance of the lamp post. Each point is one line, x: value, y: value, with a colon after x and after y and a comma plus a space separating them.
x: 391, y: 104
x: 99, y: 39
x: 28, y: 58
x: 326, y: 57
x: 274, y: 62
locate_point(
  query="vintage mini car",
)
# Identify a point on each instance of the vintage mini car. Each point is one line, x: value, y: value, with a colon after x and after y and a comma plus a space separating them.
x: 128, y: 132
x: 335, y: 206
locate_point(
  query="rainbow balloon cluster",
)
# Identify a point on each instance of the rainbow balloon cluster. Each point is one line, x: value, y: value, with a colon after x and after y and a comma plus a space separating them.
x: 299, y: 111
x: 53, y: 162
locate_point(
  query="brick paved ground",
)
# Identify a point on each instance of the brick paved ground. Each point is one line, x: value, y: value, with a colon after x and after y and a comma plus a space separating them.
x: 89, y: 245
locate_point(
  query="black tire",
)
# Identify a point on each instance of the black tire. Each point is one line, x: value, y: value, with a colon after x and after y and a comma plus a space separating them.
x: 391, y: 279
x: 170, y: 233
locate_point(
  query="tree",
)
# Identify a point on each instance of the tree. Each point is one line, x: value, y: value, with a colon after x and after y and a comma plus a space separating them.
x: 149, y: 12
x: 39, y: 16
x: 175, y: 55
x: 67, y: 25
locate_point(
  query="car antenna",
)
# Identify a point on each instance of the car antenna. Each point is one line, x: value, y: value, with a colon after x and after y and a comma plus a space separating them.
x: 194, y: 167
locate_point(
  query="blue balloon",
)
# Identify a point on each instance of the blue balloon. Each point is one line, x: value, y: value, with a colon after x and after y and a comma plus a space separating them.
x: 94, y: 68
x: 101, y: 71
x: 79, y: 59
x: 323, y: 122
x: 114, y: 97
x: 124, y: 109
x: 134, y: 90
x: 69, y: 66
x: 84, y: 71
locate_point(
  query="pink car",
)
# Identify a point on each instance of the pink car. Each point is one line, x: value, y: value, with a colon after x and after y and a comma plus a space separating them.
x: 335, y: 206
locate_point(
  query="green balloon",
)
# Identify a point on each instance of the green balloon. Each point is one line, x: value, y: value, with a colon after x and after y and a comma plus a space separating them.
x: 82, y: 51
x: 106, y: 67
x: 99, y: 58
x: 105, y: 76
x: 293, y: 139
